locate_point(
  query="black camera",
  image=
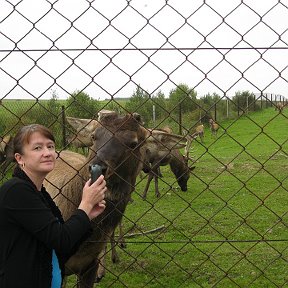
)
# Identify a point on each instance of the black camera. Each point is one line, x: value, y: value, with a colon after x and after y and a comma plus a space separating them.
x: 96, y: 171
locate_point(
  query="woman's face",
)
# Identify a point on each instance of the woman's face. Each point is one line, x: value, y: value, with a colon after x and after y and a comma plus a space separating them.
x: 38, y: 155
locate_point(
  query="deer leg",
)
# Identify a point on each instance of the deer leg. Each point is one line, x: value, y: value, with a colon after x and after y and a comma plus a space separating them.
x: 157, y: 193
x: 150, y: 177
x: 159, y: 174
x: 86, y: 278
x: 201, y: 138
x: 100, y: 273
x: 114, y: 254
x: 187, y: 147
x: 121, y: 239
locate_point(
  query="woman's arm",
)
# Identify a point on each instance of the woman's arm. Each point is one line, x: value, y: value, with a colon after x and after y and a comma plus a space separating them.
x: 26, y: 209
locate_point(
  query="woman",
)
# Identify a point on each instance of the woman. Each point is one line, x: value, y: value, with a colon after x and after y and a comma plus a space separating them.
x: 35, y: 242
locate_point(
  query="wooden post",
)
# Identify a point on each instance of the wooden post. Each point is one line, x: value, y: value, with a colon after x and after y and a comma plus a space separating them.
x: 238, y: 107
x: 64, y: 142
x: 180, y: 118
x: 247, y: 104
x: 154, y: 116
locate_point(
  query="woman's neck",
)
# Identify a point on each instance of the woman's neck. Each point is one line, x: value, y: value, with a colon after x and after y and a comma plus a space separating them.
x: 36, y: 179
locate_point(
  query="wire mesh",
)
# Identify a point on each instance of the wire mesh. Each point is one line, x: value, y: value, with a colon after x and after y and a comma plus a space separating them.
x: 230, y: 228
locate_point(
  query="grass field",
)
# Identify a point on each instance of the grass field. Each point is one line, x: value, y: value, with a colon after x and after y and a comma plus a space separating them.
x: 229, y: 229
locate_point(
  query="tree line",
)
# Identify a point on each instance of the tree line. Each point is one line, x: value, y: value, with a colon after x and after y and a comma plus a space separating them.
x: 181, y: 108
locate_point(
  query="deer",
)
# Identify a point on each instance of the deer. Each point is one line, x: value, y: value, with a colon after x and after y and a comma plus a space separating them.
x: 119, y: 143
x: 6, y: 152
x: 213, y: 127
x: 83, y: 128
x: 177, y: 162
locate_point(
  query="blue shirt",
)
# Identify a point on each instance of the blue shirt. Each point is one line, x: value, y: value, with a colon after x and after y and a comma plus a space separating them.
x: 56, y: 272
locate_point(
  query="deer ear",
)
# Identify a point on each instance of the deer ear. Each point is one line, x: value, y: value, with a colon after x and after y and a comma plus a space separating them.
x: 185, y: 158
x: 4, y: 141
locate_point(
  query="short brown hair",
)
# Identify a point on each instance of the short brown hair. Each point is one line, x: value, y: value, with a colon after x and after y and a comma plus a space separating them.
x: 23, y: 136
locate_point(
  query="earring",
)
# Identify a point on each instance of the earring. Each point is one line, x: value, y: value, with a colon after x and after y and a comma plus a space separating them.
x: 23, y: 165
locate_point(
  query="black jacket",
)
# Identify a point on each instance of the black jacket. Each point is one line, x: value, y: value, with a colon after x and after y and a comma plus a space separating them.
x: 31, y: 226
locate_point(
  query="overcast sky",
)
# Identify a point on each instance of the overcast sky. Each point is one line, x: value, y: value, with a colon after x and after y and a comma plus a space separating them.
x: 107, y: 47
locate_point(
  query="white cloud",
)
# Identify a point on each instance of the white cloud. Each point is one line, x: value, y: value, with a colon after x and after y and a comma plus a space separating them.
x: 108, y: 47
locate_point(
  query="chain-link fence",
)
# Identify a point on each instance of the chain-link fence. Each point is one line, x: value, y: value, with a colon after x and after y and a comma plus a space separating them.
x: 189, y: 62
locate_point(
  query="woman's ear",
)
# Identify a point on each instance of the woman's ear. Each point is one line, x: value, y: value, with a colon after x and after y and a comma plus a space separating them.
x: 18, y: 158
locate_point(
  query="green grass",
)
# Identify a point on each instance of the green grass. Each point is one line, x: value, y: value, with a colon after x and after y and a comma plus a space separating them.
x: 229, y: 229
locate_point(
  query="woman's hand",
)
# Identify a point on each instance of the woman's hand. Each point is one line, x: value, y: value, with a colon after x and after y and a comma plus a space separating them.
x: 97, y: 209
x: 93, y: 202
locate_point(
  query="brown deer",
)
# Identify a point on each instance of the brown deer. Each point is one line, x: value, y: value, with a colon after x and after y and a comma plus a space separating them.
x: 280, y: 106
x: 213, y: 127
x: 83, y: 129
x: 80, y: 137
x: 6, y: 152
x: 161, y: 157
x: 200, y: 132
x: 197, y: 131
x: 118, y: 144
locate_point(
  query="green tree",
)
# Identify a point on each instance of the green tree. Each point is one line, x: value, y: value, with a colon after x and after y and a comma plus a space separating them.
x: 160, y: 103
x: 182, y: 98
x: 244, y: 100
x: 81, y: 105
x: 44, y: 112
x: 53, y: 104
x: 141, y: 103
x: 47, y: 113
x: 113, y: 105
x: 210, y: 100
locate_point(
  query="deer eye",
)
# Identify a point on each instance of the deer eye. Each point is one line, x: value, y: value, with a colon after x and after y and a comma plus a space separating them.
x: 93, y: 136
x: 133, y: 144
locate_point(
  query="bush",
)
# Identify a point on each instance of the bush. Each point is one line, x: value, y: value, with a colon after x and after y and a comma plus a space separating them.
x: 81, y: 105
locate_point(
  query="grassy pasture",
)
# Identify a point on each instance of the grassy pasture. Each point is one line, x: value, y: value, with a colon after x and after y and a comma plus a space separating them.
x: 229, y: 229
